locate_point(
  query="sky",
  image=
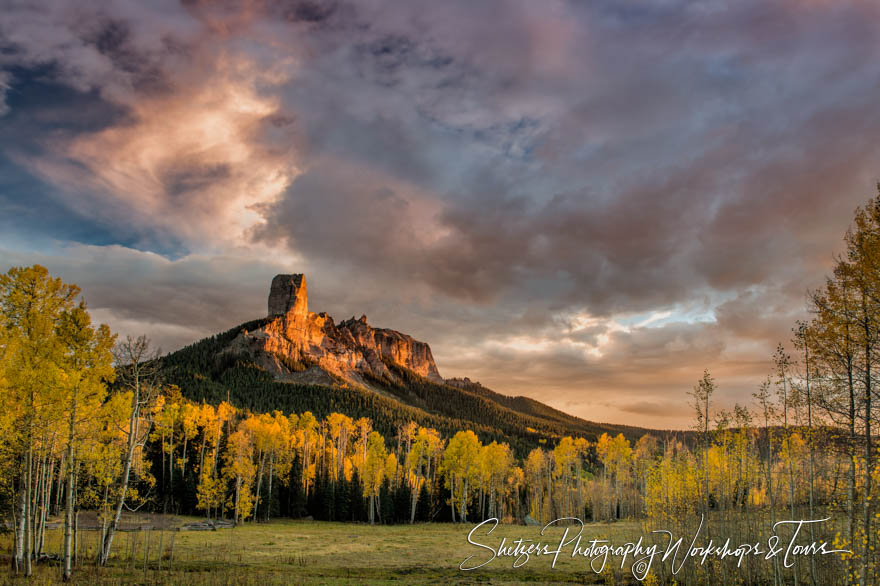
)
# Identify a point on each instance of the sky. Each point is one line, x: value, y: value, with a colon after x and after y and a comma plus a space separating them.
x: 587, y: 203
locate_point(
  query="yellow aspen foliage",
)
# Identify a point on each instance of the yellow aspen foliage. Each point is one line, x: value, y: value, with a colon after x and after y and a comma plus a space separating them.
x: 239, y: 469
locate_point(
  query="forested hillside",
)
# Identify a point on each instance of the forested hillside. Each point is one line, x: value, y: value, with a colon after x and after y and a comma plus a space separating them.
x: 206, y: 371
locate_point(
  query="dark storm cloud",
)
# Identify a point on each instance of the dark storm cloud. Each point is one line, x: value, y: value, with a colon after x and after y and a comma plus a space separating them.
x: 568, y: 200
x: 661, y: 163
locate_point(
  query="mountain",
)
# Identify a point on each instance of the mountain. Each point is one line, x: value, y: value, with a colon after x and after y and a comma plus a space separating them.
x: 295, y: 360
x: 298, y: 345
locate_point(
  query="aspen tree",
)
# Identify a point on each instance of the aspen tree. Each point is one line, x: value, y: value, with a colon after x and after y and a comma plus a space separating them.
x: 701, y: 394
x: 137, y: 370
x: 802, y: 342
x: 460, y: 464
x: 374, y: 470
x: 87, y: 365
x: 31, y: 306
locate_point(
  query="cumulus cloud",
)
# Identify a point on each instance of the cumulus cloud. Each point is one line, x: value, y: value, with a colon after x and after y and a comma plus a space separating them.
x: 577, y: 202
x: 187, y: 164
x: 192, y: 153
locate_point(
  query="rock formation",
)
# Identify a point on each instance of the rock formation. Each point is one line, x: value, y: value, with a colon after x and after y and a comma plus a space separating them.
x: 293, y: 340
x: 288, y: 294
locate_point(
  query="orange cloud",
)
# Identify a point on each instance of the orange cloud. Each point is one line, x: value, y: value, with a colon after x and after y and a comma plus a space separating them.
x: 189, y: 161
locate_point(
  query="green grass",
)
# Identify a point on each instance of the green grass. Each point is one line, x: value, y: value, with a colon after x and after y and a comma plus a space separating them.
x: 307, y: 552
x: 310, y: 552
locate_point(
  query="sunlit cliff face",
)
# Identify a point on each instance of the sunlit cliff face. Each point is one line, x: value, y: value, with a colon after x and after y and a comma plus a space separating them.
x: 585, y: 203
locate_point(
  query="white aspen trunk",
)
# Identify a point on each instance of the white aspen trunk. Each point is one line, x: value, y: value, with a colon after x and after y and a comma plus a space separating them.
x: 183, y: 459
x: 54, y: 464
x: 269, y: 494
x: 415, y: 498
x: 491, y: 498
x: 202, y: 451
x: 28, y: 542
x: 452, y: 495
x: 126, y: 473
x: 464, y: 499
x: 68, y: 510
x: 59, y: 484
x: 171, y: 466
x: 237, y: 499
x: 37, y: 500
x: 259, y: 483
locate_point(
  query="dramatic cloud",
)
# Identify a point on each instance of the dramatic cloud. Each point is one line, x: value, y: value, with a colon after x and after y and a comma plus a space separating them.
x: 586, y: 203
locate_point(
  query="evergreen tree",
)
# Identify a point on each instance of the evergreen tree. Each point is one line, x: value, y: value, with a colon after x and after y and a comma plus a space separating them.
x: 402, y: 496
x: 297, y: 505
x: 386, y: 503
x: 423, y: 506
x: 341, y: 494
x: 356, y: 499
x: 441, y: 507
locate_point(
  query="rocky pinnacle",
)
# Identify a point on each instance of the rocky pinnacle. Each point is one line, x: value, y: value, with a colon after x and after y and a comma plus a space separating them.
x: 288, y: 294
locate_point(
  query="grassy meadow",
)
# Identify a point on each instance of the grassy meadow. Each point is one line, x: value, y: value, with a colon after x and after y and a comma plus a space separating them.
x: 311, y: 552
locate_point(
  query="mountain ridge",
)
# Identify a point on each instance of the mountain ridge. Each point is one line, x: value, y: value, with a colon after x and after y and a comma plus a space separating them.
x: 295, y: 360
x: 351, y: 349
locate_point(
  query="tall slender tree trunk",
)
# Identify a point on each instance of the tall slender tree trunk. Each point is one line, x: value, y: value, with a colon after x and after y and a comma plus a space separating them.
x: 171, y: 466
x: 36, y: 500
x: 36, y: 494
x: 202, y: 450
x: 59, y: 485
x: 812, y: 455
x: 21, y: 504
x: 867, y: 327
x: 68, y: 513
x: 126, y: 474
x: 415, y: 497
x: 868, y: 467
x: 464, y: 499
x: 491, y: 500
x: 770, y: 486
x: 851, y: 492
x: 269, y: 492
x: 183, y: 459
x: 259, y: 484
x: 104, y: 524
x: 237, y: 499
x: 28, y: 528
x: 164, y: 481
x: 48, y: 499
x: 452, y: 495
x: 706, y: 458
x: 790, y: 458
x: 76, y: 536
